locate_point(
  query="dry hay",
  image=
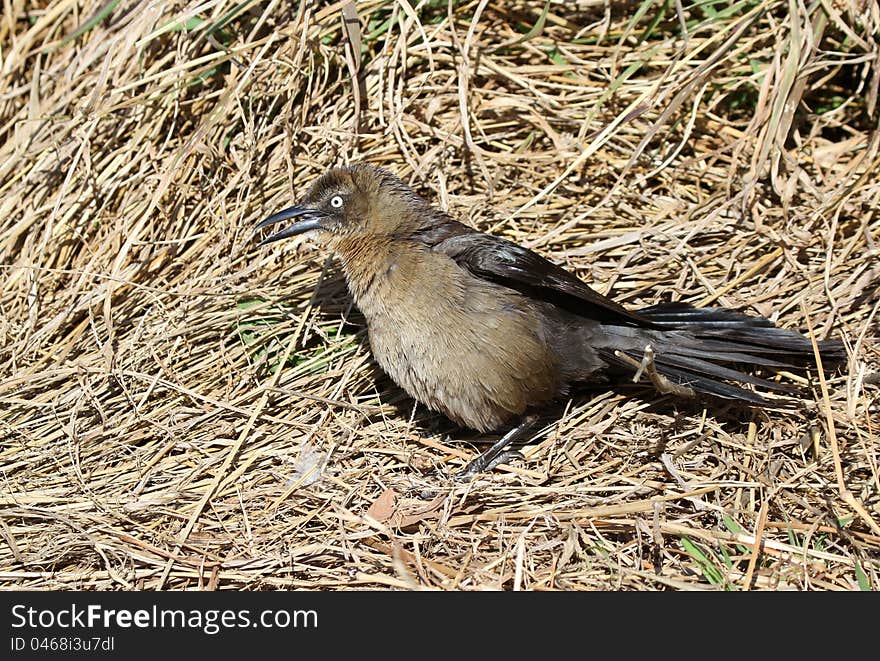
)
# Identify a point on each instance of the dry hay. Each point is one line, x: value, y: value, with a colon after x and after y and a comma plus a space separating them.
x: 183, y: 410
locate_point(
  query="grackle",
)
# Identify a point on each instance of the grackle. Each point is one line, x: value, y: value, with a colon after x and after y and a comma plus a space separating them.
x: 488, y: 332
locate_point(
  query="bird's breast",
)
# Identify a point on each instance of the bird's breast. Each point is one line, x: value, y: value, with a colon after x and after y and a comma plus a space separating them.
x: 471, y: 349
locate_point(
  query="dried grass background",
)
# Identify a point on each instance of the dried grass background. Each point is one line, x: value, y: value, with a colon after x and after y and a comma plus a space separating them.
x: 180, y: 409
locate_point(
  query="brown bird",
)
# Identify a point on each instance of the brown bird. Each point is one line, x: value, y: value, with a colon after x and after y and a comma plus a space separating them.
x: 488, y: 332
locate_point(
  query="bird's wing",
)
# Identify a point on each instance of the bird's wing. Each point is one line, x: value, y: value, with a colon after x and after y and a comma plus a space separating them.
x: 503, y: 262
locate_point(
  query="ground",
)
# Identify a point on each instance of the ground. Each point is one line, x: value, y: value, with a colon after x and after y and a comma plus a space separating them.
x: 181, y: 409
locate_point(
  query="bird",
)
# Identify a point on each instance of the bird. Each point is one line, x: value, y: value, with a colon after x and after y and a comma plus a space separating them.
x: 490, y: 333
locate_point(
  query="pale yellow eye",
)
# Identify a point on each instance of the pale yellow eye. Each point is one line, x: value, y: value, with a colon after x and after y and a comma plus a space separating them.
x: 336, y: 201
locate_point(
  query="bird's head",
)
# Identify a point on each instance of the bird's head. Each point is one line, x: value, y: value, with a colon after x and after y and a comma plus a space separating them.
x: 353, y: 202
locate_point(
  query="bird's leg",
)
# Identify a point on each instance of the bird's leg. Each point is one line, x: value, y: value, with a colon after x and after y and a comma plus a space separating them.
x: 663, y: 385
x: 503, y: 449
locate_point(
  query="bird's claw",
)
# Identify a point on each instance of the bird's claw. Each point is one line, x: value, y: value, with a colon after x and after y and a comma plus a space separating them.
x: 662, y: 384
x: 486, y: 463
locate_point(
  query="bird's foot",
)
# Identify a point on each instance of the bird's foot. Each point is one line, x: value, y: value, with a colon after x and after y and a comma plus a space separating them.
x: 663, y: 385
x: 485, y: 464
x: 500, y: 452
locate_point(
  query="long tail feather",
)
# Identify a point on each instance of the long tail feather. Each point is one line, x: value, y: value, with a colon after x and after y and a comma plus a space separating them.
x: 711, y: 349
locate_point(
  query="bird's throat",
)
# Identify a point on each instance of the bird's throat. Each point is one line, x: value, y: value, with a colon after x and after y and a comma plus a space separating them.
x: 366, y: 265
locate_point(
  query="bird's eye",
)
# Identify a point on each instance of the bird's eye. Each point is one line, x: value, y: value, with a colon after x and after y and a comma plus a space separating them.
x: 336, y: 201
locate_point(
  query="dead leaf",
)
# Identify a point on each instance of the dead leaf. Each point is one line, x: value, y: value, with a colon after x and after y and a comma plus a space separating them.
x: 384, y: 506
x: 411, y: 511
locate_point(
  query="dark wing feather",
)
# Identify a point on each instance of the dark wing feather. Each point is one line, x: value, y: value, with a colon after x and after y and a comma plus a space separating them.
x: 697, y: 347
x: 503, y: 262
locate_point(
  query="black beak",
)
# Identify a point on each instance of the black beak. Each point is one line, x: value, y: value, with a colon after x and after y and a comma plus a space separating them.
x: 309, y: 219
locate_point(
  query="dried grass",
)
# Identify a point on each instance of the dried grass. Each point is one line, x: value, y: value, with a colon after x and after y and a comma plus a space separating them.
x: 182, y: 410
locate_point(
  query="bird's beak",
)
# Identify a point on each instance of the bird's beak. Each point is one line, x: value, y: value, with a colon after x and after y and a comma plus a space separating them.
x: 309, y: 219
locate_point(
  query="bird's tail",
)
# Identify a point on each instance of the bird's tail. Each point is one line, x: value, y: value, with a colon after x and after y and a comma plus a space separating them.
x: 709, y: 350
